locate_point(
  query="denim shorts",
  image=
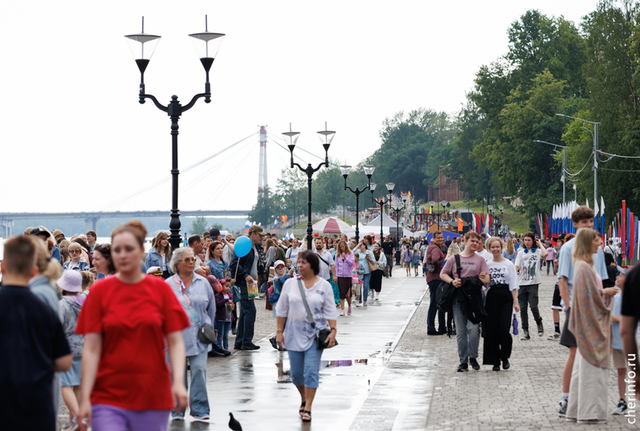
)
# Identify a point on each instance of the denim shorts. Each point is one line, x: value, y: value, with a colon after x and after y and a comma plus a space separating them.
x: 305, y: 367
x: 71, y: 377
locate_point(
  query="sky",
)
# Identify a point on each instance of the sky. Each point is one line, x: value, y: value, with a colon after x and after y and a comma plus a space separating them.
x: 75, y: 137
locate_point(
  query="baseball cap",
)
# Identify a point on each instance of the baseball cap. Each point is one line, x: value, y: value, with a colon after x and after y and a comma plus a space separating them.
x: 38, y: 231
x: 277, y: 263
x: 214, y: 233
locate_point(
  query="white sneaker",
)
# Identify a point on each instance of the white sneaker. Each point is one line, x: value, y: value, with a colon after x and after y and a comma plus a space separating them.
x: 71, y: 425
x: 203, y: 418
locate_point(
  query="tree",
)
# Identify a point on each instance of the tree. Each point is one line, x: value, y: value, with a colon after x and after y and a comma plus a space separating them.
x: 198, y: 225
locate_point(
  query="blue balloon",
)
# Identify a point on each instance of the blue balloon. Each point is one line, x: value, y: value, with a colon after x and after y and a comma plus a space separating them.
x: 242, y: 246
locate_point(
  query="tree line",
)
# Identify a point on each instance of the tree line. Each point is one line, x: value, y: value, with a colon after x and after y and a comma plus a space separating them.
x: 551, y: 66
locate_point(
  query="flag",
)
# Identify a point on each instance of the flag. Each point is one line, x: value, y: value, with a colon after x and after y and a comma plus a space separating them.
x: 587, y: 204
x: 473, y: 222
x: 247, y: 225
x: 460, y: 225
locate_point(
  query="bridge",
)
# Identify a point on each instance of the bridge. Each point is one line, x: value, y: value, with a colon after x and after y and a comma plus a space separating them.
x: 91, y: 218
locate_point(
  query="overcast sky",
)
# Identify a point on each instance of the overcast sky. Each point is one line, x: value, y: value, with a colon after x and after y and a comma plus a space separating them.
x: 75, y: 137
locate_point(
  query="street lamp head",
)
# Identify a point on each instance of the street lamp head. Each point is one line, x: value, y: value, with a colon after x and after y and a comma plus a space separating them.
x: 326, y: 136
x: 390, y: 187
x: 372, y: 186
x: 444, y: 203
x: 143, y: 52
x: 404, y: 198
x: 368, y: 170
x: 344, y: 170
x: 432, y: 204
x: 207, y: 45
x: 291, y: 138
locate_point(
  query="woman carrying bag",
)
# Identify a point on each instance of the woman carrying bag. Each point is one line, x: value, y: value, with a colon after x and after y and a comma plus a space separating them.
x: 196, y: 297
x: 300, y: 335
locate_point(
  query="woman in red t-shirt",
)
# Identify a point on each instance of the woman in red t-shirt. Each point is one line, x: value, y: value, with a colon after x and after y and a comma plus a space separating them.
x: 127, y: 320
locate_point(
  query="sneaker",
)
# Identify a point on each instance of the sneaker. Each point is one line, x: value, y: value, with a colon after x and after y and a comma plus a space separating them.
x: 525, y: 335
x: 272, y: 340
x: 349, y: 311
x: 540, y: 330
x: 496, y: 368
x: 234, y: 331
x: 562, y: 412
x: 554, y: 337
x: 364, y: 305
x: 463, y: 367
x: 250, y: 347
x: 203, y: 418
x: 621, y: 409
x: 474, y: 364
x: 177, y: 418
x: 342, y: 313
x: 72, y: 425
x: 358, y: 304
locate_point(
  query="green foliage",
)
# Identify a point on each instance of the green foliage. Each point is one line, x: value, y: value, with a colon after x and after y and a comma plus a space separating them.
x: 198, y: 225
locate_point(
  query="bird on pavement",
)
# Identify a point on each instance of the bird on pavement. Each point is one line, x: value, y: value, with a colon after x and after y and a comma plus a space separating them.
x: 233, y: 423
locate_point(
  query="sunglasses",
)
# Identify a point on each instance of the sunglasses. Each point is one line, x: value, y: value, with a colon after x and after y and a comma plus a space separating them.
x: 74, y: 251
x: 189, y: 259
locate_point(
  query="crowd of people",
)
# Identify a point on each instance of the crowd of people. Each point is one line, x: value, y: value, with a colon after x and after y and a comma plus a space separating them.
x: 103, y: 303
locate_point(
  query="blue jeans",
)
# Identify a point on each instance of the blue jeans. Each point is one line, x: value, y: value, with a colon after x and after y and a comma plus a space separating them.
x: 223, y: 329
x: 365, y: 287
x: 467, y: 334
x: 305, y: 367
x: 246, y: 322
x: 433, y: 309
x: 198, y: 400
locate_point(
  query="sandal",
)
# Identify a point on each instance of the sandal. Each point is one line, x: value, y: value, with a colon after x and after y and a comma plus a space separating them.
x: 301, y: 411
x: 306, y: 416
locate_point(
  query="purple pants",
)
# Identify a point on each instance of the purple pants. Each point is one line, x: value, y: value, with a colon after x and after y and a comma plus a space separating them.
x: 111, y: 418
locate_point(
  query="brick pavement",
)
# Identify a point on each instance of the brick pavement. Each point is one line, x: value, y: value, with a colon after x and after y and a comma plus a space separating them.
x: 421, y: 390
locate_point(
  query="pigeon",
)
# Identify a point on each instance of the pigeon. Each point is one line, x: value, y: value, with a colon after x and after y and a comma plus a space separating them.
x: 233, y: 423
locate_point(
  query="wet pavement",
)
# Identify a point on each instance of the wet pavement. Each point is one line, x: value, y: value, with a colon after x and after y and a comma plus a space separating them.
x: 255, y: 387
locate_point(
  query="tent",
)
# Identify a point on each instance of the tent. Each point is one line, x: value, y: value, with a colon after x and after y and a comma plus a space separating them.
x: 332, y: 225
x: 387, y: 222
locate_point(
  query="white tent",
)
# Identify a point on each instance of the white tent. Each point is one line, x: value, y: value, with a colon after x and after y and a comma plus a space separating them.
x: 387, y: 223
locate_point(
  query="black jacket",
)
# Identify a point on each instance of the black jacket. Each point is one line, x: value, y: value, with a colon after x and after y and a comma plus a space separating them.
x: 244, y: 269
x: 470, y: 298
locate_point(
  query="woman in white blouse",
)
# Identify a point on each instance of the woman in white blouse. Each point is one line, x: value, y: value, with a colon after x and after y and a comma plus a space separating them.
x: 501, y: 299
x: 299, y: 337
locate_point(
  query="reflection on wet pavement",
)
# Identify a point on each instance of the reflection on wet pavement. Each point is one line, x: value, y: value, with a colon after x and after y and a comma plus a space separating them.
x: 256, y: 386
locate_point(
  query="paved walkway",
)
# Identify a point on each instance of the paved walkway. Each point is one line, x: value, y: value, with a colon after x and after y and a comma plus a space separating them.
x: 387, y: 374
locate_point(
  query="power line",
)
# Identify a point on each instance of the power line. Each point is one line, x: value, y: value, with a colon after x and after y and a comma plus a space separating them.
x: 617, y: 155
x: 583, y: 168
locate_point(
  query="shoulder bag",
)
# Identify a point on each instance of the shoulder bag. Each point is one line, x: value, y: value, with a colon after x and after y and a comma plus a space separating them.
x: 321, y: 336
x: 446, y: 293
x: 206, y: 333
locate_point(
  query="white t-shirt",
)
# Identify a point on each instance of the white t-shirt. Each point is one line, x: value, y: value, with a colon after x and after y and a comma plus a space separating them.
x: 325, y: 270
x: 298, y: 334
x: 528, y: 263
x: 503, y: 273
x: 485, y: 254
x: 292, y: 253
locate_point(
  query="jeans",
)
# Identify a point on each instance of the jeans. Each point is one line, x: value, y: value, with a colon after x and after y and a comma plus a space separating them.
x: 198, y: 400
x: 365, y: 287
x: 246, y: 322
x: 549, y: 265
x: 433, y: 309
x: 389, y: 258
x: 305, y: 367
x: 528, y: 295
x: 223, y: 329
x: 467, y: 334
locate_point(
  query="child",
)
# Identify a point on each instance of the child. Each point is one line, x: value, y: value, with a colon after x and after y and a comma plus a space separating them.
x: 359, y: 268
x: 281, y: 275
x: 406, y: 258
x: 69, y: 308
x: 224, y: 314
x: 416, y: 259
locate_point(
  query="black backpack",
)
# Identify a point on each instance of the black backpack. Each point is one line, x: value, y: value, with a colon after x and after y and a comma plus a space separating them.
x: 446, y: 293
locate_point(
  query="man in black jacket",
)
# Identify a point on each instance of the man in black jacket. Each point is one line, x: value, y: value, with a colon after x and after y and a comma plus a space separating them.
x: 247, y: 272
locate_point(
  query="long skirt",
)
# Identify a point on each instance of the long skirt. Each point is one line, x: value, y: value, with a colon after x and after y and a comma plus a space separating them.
x: 588, y: 391
x: 497, y: 340
x: 376, y: 280
x: 336, y: 290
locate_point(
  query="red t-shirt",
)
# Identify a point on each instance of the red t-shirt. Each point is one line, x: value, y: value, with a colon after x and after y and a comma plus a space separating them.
x: 133, y: 320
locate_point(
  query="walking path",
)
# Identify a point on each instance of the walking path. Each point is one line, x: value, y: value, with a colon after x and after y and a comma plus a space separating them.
x: 387, y: 374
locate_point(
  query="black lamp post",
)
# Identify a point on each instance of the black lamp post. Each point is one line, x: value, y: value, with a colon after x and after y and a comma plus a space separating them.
x: 175, y: 109
x: 326, y: 136
x: 397, y: 208
x: 382, y: 201
x: 368, y: 170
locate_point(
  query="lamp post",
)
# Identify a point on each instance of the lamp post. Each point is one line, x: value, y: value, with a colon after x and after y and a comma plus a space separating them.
x: 208, y: 50
x: 382, y: 202
x: 594, y: 134
x: 433, y: 204
x: 563, y: 178
x: 397, y: 208
x: 326, y: 136
x: 443, y: 204
x: 368, y: 170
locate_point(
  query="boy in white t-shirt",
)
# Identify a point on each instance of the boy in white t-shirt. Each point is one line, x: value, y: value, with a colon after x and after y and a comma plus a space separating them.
x: 528, y: 267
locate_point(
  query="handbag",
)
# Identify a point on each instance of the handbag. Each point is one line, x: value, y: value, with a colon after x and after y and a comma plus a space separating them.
x: 373, y: 266
x: 321, y: 335
x: 206, y: 334
x: 273, y: 295
x: 446, y: 293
